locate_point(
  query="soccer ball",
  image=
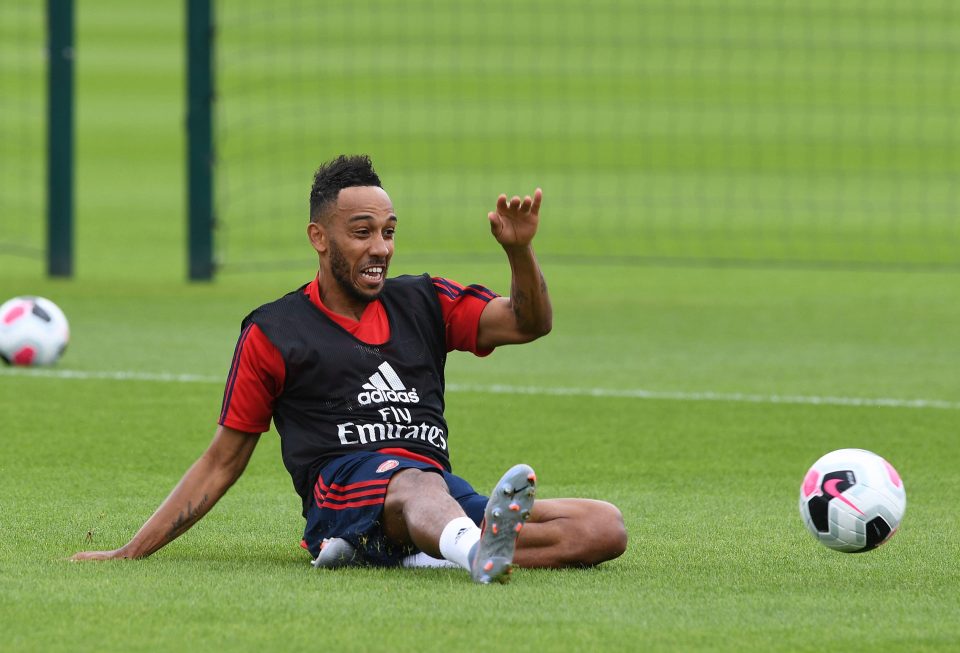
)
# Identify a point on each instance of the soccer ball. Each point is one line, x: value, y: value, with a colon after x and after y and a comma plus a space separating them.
x: 33, y: 331
x: 852, y: 500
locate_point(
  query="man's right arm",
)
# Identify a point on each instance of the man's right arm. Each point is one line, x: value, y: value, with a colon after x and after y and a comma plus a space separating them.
x: 201, y: 487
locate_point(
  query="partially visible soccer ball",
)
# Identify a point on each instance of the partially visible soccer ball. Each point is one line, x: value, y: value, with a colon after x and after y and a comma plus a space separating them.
x: 852, y: 500
x: 33, y: 331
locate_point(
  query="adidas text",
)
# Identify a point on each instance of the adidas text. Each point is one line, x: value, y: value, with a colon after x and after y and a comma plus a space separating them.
x: 394, y: 396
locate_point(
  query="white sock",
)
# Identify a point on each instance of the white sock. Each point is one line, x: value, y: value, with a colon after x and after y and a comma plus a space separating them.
x: 423, y: 561
x: 456, y: 540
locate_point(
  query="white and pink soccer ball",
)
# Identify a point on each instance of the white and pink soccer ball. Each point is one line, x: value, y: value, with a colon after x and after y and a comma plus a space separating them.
x: 33, y: 331
x: 852, y: 500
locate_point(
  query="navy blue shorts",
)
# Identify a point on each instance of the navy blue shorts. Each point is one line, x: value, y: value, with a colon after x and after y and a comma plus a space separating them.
x: 348, y: 503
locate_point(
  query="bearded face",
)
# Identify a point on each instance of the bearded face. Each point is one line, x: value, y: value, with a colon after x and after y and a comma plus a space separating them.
x: 371, y: 271
x: 355, y: 244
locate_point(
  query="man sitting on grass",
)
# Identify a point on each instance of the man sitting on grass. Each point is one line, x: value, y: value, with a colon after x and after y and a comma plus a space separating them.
x: 350, y: 368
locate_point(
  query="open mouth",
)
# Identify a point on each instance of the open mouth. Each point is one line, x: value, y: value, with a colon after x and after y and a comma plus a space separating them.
x: 373, y: 274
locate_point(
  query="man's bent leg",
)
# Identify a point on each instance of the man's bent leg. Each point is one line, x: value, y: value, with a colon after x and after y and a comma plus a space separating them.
x: 420, y: 511
x: 348, y: 504
x: 571, y: 533
x: 418, y: 507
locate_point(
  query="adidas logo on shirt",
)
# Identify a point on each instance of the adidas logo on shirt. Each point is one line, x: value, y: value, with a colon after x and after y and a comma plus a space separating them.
x: 385, y: 385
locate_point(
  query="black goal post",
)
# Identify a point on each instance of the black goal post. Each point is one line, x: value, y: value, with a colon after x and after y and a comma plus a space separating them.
x: 200, y: 139
x: 60, y: 178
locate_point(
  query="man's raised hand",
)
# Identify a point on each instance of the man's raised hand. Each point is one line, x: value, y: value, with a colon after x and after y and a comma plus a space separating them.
x: 514, y: 223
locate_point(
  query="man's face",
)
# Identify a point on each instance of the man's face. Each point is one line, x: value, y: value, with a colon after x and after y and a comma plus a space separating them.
x: 357, y: 243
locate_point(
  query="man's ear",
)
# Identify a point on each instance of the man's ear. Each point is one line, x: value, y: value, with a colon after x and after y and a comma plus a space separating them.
x: 318, y: 236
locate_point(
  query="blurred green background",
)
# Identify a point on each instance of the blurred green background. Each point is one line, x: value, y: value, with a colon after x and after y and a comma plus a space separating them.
x: 682, y: 132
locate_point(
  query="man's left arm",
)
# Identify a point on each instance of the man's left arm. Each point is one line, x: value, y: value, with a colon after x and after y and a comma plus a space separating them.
x: 526, y: 314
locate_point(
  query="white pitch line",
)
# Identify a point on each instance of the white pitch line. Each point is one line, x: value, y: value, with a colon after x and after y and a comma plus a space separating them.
x: 624, y: 393
x: 156, y: 377
x: 738, y: 397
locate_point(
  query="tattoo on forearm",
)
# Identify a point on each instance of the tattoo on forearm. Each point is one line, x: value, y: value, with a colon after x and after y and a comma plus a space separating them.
x: 521, y: 301
x: 186, y: 518
x: 518, y: 301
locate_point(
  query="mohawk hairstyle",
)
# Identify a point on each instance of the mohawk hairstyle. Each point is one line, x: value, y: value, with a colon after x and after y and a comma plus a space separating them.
x: 333, y: 176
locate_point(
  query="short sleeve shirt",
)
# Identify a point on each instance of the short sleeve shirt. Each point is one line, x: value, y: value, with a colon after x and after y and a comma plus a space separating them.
x: 257, y: 371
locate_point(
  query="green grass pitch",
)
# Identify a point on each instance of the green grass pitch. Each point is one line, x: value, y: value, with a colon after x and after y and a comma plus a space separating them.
x: 718, y: 558
x: 706, y: 469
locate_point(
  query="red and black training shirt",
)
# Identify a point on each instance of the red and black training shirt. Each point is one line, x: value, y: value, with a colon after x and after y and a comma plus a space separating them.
x: 257, y: 373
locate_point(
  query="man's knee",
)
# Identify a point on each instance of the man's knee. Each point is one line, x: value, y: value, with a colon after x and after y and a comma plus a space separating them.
x: 604, y: 534
x: 598, y: 533
x: 413, y: 483
x: 417, y: 507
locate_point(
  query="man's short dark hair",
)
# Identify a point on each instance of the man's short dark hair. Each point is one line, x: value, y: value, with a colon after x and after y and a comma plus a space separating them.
x: 333, y: 176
